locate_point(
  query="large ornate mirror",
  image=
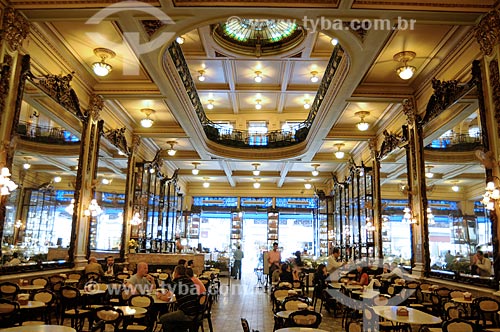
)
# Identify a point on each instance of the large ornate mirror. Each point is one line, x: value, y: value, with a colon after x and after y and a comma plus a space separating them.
x: 38, y: 224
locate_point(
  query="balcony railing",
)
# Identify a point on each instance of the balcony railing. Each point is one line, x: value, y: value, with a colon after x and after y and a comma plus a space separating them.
x: 44, y: 134
x: 242, y: 138
x: 456, y: 142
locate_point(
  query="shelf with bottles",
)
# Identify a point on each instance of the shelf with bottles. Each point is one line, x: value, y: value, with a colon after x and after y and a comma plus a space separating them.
x: 272, y: 226
x: 236, y: 225
x: 194, y: 226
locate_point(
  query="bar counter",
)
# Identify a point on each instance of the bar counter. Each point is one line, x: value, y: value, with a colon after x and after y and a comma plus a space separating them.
x: 167, y: 261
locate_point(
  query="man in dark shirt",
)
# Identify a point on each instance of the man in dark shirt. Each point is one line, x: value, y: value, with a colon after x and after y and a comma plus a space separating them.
x: 187, y: 299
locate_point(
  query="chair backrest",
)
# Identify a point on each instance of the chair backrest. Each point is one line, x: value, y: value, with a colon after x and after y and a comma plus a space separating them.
x: 293, y: 303
x: 487, y: 309
x: 9, y: 290
x: 304, y: 318
x: 70, y: 298
x: 9, y: 313
x: 56, y: 287
x: 380, y: 300
x: 354, y: 326
x: 443, y: 292
x: 244, y: 324
x: 122, y: 276
x: 44, y: 295
x: 298, y: 284
x: 454, y: 311
x: 56, y: 278
x: 425, y: 286
x: 142, y: 301
x: 40, y: 281
x: 456, y: 294
x: 74, y: 276
x: 107, y: 316
x: 92, y: 276
x: 459, y: 325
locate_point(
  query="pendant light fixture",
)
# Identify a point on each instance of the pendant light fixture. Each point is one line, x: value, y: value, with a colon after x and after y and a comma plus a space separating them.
x: 102, y: 68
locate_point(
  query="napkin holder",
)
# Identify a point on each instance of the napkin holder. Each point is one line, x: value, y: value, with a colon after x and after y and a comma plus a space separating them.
x: 467, y: 296
x: 23, y: 299
x: 402, y: 312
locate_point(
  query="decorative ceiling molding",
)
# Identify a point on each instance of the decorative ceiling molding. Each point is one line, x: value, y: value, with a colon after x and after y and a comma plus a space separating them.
x: 442, y: 5
x: 258, y: 3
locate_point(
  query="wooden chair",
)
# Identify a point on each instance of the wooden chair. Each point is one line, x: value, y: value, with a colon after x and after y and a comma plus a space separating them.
x: 40, y: 281
x: 106, y: 316
x: 9, y: 313
x: 9, y: 290
x: 246, y: 327
x: 304, y: 318
x: 71, y: 307
x: 486, y: 309
x: 459, y: 325
x: 143, y: 322
x: 50, y: 299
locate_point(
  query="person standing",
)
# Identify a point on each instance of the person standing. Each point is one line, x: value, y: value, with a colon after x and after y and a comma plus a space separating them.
x: 238, y: 256
x: 333, y: 263
x: 273, y: 259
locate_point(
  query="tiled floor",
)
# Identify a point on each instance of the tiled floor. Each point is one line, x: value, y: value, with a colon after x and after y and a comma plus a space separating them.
x: 244, y: 299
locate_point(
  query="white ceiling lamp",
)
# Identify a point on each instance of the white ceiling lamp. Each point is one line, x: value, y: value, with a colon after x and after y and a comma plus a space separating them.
x: 201, y: 76
x: 405, y: 72
x: 6, y: 184
x: 180, y: 40
x: 147, y: 122
x: 210, y: 104
x: 455, y: 187
x: 339, y: 154
x: 258, y: 105
x: 27, y: 164
x: 315, y: 172
x: 362, y: 125
x: 314, y: 77
x: 428, y: 172
x: 258, y: 77
x: 256, y: 184
x: 102, y: 68
x: 106, y: 181
x: 307, y: 105
x: 57, y: 179
x: 171, y: 152
x: 206, y: 184
x: 307, y: 185
x: 256, y: 171
x: 195, y: 169
x: 334, y: 41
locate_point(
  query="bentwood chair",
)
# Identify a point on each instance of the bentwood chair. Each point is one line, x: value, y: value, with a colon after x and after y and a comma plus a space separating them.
x: 72, y: 307
x: 246, y: 327
x: 304, y: 318
x: 9, y: 290
x: 9, y: 313
x: 106, y: 316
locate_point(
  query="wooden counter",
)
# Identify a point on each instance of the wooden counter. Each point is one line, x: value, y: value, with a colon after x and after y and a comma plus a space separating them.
x: 167, y: 261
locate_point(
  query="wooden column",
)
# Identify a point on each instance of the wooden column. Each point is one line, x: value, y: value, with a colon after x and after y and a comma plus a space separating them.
x: 85, y: 180
x: 15, y: 28
x: 128, y: 212
x: 417, y: 193
x: 377, y: 200
x: 488, y: 75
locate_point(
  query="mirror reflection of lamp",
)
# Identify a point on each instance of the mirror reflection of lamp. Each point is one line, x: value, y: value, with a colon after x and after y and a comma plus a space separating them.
x: 71, y: 207
x: 136, y: 219
x: 6, y: 184
x: 93, y: 210
x: 18, y: 224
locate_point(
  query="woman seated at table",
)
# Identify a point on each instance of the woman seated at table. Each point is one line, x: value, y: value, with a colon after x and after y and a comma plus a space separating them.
x: 362, y: 277
x: 319, y: 280
x: 286, y: 274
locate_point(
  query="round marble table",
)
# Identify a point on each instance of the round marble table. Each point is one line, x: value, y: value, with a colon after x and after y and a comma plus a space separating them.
x: 300, y: 329
x: 40, y: 328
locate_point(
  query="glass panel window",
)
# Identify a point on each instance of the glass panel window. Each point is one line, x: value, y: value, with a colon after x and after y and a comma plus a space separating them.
x: 257, y: 133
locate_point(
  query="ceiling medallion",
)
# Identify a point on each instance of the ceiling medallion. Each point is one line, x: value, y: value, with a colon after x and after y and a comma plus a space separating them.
x: 258, y: 37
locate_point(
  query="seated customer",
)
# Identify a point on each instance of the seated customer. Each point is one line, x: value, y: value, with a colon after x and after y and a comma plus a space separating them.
x: 362, y: 277
x: 141, y: 282
x: 111, y: 269
x: 94, y: 267
x: 187, y: 299
x: 286, y: 274
x: 197, y: 282
x: 15, y: 260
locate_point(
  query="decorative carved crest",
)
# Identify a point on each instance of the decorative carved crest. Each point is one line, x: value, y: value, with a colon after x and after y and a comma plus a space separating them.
x: 15, y: 28
x: 118, y: 139
x: 96, y: 104
x: 151, y: 26
x: 390, y: 143
x: 409, y: 111
x: 58, y: 87
x: 495, y: 87
x: 488, y: 32
x: 136, y: 141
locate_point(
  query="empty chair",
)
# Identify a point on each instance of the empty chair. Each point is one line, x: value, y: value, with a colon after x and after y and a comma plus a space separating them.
x: 294, y: 303
x: 71, y: 307
x: 304, y: 318
x: 40, y: 281
x: 9, y: 313
x: 49, y: 298
x: 143, y: 322
x: 354, y: 326
x: 106, y: 316
x: 9, y: 290
x: 486, y: 309
x: 459, y: 325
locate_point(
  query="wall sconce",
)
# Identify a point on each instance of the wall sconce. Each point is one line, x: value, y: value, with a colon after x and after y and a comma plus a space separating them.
x: 314, y: 77
x: 362, y: 125
x: 315, y: 172
x: 71, y: 207
x: 201, y: 77
x: 6, y: 184
x: 18, y: 224
x: 408, y: 217
x: 195, y: 170
x: 370, y: 227
x: 256, y: 184
x: 93, y: 210
x: 307, y: 185
x: 27, y: 164
x: 430, y: 217
x: 136, y: 219
x: 257, y: 77
x: 147, y: 122
x: 206, y: 184
x: 102, y: 68
x: 490, y: 196
x: 339, y: 154
x: 405, y: 72
x: 256, y: 171
x: 171, y: 152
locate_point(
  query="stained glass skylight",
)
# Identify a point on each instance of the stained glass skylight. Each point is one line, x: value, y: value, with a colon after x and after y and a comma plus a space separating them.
x: 244, y: 30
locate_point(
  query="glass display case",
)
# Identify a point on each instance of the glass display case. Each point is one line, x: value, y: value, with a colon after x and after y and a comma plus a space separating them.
x: 272, y: 227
